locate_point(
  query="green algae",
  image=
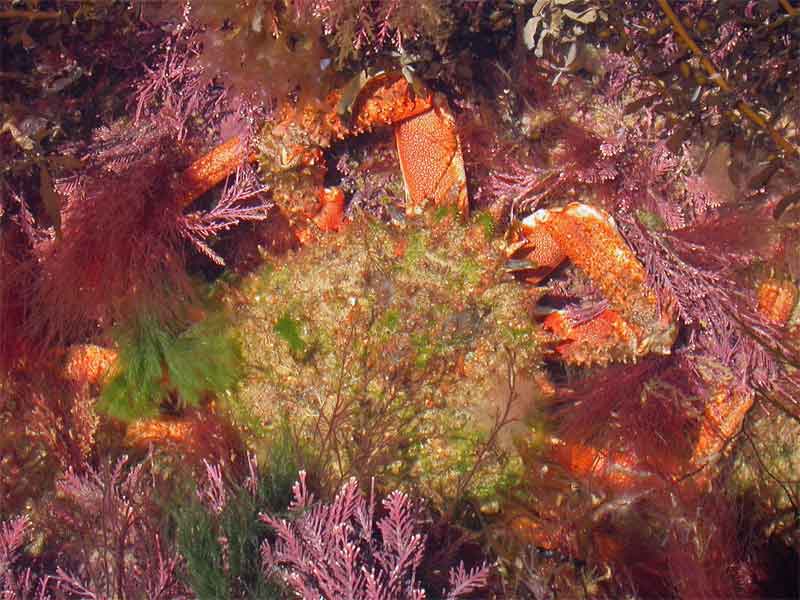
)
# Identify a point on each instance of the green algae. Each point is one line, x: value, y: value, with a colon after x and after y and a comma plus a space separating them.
x: 163, y: 362
x: 289, y: 330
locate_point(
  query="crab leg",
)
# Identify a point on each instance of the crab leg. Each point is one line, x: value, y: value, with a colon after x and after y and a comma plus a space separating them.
x: 209, y: 170
x: 726, y: 410
x: 723, y: 416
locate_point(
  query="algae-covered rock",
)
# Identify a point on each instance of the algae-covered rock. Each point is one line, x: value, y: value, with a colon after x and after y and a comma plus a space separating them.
x: 765, y: 473
x: 401, y: 353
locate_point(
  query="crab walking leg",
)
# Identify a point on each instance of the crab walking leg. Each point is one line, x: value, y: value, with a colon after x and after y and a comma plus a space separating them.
x: 728, y: 406
x: 777, y: 300
x: 723, y: 417
x: 431, y: 161
x: 209, y: 170
x: 590, y: 239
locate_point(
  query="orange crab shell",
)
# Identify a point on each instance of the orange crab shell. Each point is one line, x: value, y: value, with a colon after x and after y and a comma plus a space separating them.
x: 426, y: 138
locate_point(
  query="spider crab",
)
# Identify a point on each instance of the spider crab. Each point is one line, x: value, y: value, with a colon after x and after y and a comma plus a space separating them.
x: 633, y: 325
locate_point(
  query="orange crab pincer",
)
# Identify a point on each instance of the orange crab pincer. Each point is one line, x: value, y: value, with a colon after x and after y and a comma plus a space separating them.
x: 431, y: 159
x: 425, y: 136
x: 635, y: 324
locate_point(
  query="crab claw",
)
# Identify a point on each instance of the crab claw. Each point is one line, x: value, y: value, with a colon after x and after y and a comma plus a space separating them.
x: 589, y: 238
x: 541, y: 253
x: 431, y: 160
x: 425, y: 135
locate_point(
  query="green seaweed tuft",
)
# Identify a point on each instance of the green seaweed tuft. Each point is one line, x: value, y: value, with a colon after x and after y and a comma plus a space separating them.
x: 222, y: 549
x: 289, y: 330
x: 159, y: 361
x: 487, y: 223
